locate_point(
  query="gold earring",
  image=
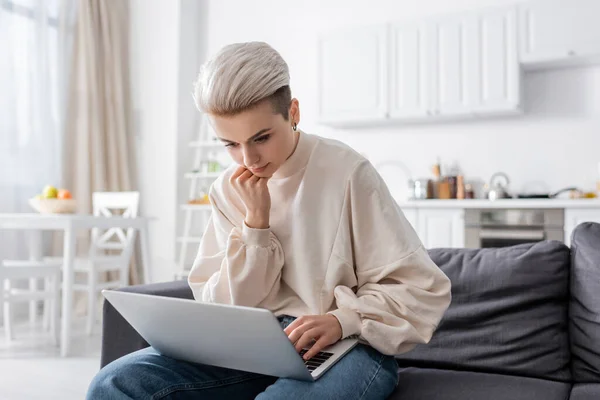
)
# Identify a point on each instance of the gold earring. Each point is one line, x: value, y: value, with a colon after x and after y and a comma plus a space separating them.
x: 295, y: 126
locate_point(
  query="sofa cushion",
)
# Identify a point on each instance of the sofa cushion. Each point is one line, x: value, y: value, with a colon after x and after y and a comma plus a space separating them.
x: 432, y: 384
x: 585, y: 391
x: 508, y: 313
x: 584, y: 324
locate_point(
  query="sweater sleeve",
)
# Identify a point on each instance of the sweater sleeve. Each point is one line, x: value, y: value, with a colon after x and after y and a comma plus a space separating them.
x: 401, y: 294
x: 235, y: 265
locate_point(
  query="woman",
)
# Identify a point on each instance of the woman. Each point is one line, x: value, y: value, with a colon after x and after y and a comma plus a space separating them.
x: 305, y: 227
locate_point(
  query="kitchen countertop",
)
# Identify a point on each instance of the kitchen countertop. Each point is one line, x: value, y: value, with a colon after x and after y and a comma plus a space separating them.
x: 503, y: 203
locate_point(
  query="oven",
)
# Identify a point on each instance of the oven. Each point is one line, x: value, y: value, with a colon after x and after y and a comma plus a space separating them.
x: 501, y: 227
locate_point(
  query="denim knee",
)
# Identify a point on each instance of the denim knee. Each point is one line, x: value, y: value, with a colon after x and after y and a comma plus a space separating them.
x: 114, y: 381
x: 103, y: 386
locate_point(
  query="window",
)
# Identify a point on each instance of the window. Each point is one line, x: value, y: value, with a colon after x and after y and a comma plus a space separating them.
x: 32, y: 97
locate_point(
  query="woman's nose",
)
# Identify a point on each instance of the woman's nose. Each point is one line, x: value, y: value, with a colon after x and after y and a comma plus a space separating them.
x: 251, y: 158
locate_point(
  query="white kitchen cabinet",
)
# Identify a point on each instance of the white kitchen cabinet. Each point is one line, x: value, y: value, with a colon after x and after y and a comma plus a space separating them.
x: 458, y: 65
x: 410, y: 71
x: 576, y: 216
x: 353, y: 75
x: 476, y: 63
x: 453, y: 66
x: 494, y: 84
x: 441, y: 227
x: 555, y: 32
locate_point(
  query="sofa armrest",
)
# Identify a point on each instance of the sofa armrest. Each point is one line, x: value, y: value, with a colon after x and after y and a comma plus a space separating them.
x: 118, y: 337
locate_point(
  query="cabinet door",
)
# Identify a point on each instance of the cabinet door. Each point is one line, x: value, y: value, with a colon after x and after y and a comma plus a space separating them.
x: 495, y: 79
x: 441, y: 227
x: 353, y: 75
x: 576, y: 216
x: 557, y: 30
x: 476, y: 63
x: 410, y: 63
x: 452, y: 66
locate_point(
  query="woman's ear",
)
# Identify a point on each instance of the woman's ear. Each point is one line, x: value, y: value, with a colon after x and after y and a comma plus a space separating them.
x: 295, y: 111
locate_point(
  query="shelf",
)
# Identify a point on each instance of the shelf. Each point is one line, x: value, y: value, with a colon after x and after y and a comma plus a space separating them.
x: 202, y: 175
x: 196, y: 207
x: 212, y: 144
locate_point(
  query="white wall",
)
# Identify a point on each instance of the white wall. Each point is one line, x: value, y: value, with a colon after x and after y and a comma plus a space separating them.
x: 168, y: 43
x: 192, y: 44
x: 554, y: 145
x: 168, y: 40
x: 154, y: 76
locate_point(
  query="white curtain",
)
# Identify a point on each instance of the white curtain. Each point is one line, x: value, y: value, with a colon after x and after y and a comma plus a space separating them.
x: 98, y: 142
x: 35, y: 37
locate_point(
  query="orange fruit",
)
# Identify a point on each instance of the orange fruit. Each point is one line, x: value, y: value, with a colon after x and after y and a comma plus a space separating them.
x: 64, y: 194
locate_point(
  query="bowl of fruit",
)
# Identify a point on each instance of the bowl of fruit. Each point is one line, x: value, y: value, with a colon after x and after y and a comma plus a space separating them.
x: 53, y: 201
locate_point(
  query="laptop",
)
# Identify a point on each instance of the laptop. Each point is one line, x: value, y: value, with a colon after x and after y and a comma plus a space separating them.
x: 235, y: 337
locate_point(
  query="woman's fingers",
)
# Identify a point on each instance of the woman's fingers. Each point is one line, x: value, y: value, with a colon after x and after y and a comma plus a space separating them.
x: 323, y: 330
x: 297, y: 333
x: 321, y: 343
x: 236, y: 174
x: 295, y: 323
x: 244, y: 177
x: 254, y: 179
x: 307, y: 338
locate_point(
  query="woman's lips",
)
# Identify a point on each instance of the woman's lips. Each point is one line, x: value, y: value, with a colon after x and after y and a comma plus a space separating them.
x: 258, y: 170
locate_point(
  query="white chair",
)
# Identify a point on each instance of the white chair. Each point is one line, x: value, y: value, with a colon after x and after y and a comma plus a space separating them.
x: 115, y: 240
x: 11, y: 271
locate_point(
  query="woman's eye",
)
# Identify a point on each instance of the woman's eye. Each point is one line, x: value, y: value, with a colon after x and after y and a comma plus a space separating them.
x: 231, y: 145
x: 262, y: 139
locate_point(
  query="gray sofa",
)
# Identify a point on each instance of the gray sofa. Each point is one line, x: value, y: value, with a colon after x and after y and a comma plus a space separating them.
x: 524, y: 323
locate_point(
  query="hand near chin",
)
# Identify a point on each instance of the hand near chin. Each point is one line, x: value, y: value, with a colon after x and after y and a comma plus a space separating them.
x: 255, y: 195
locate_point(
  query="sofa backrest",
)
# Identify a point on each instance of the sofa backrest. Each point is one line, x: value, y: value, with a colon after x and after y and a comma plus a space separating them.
x: 584, y: 307
x: 508, y: 313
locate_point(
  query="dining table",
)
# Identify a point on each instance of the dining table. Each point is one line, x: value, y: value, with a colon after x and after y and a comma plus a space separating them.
x: 71, y: 225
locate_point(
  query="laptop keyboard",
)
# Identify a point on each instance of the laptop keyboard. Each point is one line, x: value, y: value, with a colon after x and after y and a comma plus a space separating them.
x: 317, y: 360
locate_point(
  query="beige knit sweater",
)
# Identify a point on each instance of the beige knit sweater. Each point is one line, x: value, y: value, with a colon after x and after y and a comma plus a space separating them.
x: 337, y: 243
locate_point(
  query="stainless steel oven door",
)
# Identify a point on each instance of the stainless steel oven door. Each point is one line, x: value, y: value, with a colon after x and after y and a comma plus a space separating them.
x: 507, y: 227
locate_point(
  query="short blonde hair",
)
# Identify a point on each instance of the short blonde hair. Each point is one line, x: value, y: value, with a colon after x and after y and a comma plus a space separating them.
x: 240, y: 76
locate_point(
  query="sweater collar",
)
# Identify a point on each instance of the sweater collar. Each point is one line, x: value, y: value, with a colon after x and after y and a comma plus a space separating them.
x: 298, y: 159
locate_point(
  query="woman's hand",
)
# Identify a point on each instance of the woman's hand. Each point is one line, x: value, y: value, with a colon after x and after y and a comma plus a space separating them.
x: 254, y: 193
x: 325, y: 330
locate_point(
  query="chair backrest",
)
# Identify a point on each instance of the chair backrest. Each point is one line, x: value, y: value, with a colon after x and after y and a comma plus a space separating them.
x: 108, y: 204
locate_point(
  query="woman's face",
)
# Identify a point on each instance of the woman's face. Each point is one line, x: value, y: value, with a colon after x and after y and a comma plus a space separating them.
x: 258, y: 139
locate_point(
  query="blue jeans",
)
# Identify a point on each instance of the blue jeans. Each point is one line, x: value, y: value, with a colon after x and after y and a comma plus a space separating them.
x: 363, y: 373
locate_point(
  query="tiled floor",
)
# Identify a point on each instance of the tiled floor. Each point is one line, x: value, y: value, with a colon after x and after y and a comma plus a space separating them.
x: 31, y: 368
